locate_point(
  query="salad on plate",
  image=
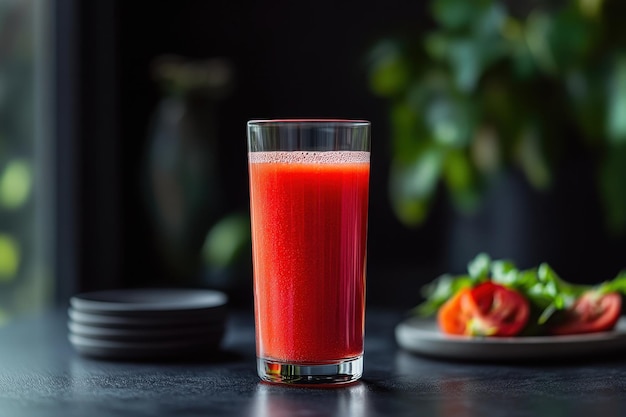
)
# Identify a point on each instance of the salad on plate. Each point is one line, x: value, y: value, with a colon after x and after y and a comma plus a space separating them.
x: 496, y: 299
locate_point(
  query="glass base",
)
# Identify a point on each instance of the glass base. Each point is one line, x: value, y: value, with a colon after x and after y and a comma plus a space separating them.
x: 343, y: 372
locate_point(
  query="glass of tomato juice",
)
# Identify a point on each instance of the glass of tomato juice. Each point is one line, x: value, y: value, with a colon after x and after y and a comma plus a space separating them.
x: 309, y: 185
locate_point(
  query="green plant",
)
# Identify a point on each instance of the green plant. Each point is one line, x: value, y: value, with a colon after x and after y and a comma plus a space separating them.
x: 491, y: 88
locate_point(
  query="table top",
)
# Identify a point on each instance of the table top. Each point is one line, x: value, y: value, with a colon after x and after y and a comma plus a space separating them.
x: 41, y: 375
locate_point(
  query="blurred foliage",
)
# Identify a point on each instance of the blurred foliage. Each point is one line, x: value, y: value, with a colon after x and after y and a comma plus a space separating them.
x: 226, y: 240
x: 24, y: 279
x: 179, y: 76
x: 501, y: 84
x: 227, y: 251
x: 9, y: 257
x: 15, y: 183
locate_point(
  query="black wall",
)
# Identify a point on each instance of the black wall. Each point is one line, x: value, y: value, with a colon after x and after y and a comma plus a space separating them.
x: 291, y: 59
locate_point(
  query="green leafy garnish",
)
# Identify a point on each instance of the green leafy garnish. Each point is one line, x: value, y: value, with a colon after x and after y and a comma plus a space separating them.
x: 545, y: 290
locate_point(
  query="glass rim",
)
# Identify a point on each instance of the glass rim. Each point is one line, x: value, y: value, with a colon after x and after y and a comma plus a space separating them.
x: 311, y: 121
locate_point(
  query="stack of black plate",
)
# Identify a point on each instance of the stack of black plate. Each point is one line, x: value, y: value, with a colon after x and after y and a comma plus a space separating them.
x: 147, y: 323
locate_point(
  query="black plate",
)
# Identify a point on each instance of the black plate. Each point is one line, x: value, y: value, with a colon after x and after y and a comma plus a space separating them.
x: 125, y: 350
x: 207, y: 333
x: 179, y: 303
x: 160, y: 321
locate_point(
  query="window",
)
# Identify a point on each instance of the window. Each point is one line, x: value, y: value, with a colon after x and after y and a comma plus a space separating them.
x: 26, y: 186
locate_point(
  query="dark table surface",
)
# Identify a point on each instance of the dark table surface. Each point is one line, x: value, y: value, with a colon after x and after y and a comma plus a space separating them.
x: 41, y: 375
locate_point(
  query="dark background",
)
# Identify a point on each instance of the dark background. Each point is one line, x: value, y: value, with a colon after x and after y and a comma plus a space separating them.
x: 291, y: 59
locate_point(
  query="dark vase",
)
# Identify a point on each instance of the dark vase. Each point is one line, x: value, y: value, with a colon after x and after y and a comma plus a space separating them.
x: 181, y: 182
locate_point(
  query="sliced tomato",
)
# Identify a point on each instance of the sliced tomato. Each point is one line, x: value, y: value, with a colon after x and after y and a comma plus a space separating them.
x: 452, y: 318
x: 501, y: 308
x: 591, y: 312
x: 488, y: 309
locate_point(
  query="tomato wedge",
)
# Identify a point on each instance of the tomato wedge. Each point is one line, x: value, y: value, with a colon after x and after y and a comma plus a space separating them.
x: 591, y: 312
x: 452, y: 315
x: 488, y: 309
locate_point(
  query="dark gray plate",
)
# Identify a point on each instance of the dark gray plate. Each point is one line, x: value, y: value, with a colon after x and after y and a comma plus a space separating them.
x: 422, y: 336
x: 151, y: 302
x: 206, y: 333
x: 126, y: 350
x: 160, y: 321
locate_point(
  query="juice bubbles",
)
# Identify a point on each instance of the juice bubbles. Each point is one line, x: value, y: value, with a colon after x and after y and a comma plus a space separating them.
x: 309, y: 228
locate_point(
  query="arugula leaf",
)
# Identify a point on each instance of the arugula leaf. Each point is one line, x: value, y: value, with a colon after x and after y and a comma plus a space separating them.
x: 617, y: 284
x: 504, y: 272
x: 479, y: 267
x: 441, y: 290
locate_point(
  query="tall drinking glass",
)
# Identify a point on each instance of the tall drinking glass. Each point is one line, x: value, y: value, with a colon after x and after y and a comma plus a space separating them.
x: 309, y: 184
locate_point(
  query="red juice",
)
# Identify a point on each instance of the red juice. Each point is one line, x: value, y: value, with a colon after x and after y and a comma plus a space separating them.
x: 309, y: 228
